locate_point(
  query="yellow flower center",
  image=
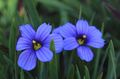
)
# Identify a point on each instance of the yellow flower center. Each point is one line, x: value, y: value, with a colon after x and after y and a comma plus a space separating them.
x: 36, y: 45
x: 81, y: 40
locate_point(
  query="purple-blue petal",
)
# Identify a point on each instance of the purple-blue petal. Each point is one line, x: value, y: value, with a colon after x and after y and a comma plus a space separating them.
x: 95, y: 37
x: 68, y: 30
x: 70, y: 43
x: 57, y: 30
x: 82, y: 27
x: 23, y: 43
x: 27, y: 31
x: 43, y: 32
x: 44, y: 54
x: 46, y: 42
x: 85, y: 53
x: 58, y: 42
x: 27, y: 60
x: 96, y: 42
x: 94, y: 32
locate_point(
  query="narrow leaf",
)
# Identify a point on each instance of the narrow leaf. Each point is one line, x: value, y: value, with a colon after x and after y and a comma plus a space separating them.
x: 77, y: 73
x: 87, y: 75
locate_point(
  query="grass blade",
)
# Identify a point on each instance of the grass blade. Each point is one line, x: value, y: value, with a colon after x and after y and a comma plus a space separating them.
x: 87, y: 75
x: 111, y: 73
x: 32, y: 12
x: 77, y: 73
x: 53, y: 65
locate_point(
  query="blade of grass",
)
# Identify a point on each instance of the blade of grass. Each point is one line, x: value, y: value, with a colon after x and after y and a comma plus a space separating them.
x: 56, y: 4
x: 80, y: 12
x: 70, y: 74
x: 43, y: 71
x: 53, y: 65
x: 22, y: 74
x: 87, y: 75
x: 96, y: 64
x: 64, y: 16
x: 111, y: 72
x: 100, y: 76
x: 12, y: 46
x: 91, y: 20
x: 77, y: 73
x: 32, y: 12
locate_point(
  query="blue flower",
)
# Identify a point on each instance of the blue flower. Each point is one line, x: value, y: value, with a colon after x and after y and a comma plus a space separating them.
x: 34, y: 45
x: 58, y: 40
x: 57, y: 30
x: 81, y: 37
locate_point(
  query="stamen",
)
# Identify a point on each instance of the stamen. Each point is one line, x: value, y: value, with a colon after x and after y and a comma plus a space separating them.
x: 33, y: 41
x: 82, y: 39
x: 36, y: 45
x: 84, y: 36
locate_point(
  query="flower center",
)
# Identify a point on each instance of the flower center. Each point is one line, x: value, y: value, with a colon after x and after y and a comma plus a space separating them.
x: 36, y: 45
x: 82, y: 39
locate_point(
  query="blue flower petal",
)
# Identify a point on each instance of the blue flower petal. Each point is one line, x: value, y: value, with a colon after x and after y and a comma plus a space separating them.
x: 57, y: 30
x: 82, y: 27
x: 85, y: 53
x: 70, y: 43
x: 58, y: 41
x: 95, y: 38
x: 46, y: 42
x: 23, y: 43
x: 94, y: 32
x: 68, y: 30
x: 43, y: 32
x: 44, y: 54
x: 27, y: 31
x: 27, y: 60
x: 96, y: 42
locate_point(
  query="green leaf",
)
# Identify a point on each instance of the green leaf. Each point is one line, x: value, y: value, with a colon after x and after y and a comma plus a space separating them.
x: 11, y: 8
x: 80, y: 12
x: 64, y: 17
x: 22, y: 74
x: 53, y: 65
x: 96, y: 64
x: 87, y: 75
x: 32, y: 12
x: 92, y: 18
x: 9, y: 61
x: 12, y: 40
x: 52, y: 46
x: 55, y: 4
x: 77, y: 73
x: 111, y: 71
x: 102, y: 28
x: 43, y: 71
x: 100, y: 76
x: 70, y: 73
x: 12, y: 46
